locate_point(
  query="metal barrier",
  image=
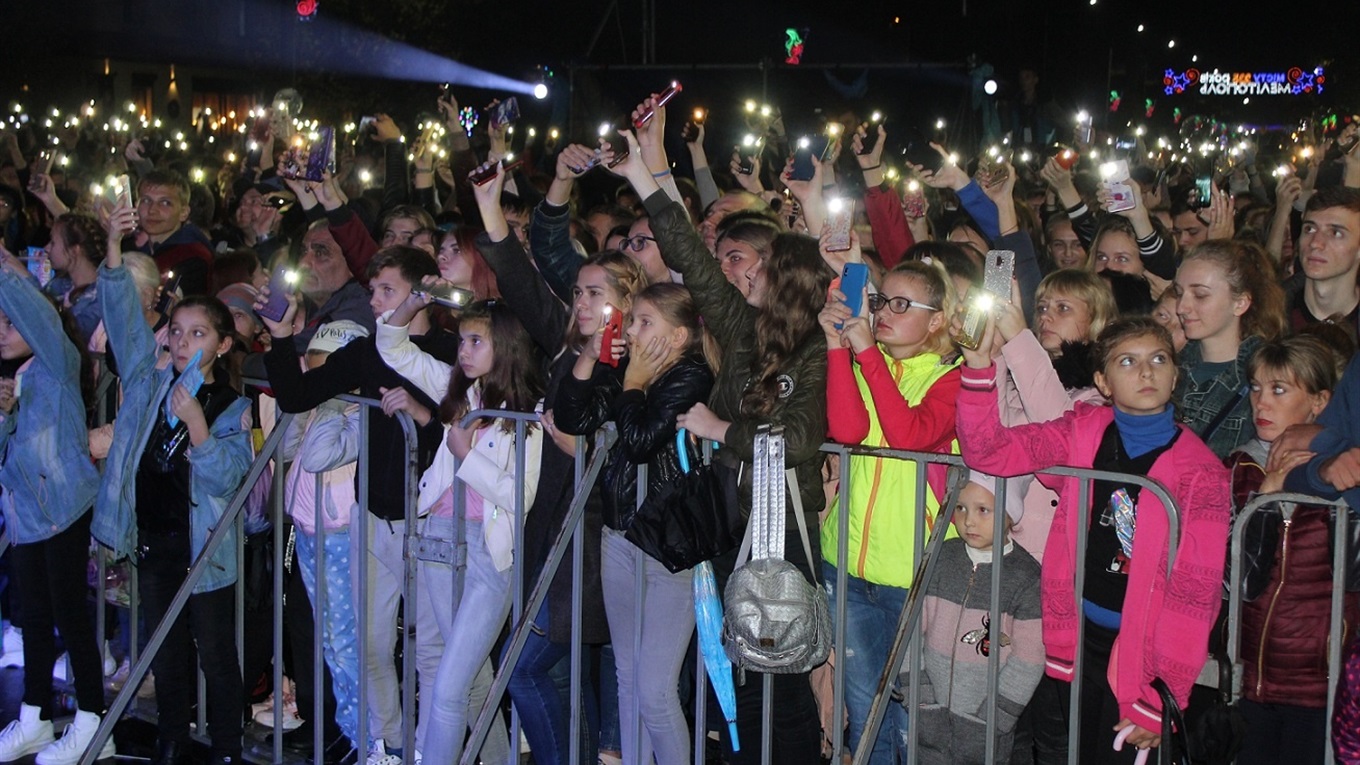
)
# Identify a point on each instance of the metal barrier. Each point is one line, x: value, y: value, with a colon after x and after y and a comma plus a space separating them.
x: 1287, y: 504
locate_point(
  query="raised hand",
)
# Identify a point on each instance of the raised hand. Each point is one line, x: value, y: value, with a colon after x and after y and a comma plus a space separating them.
x: 284, y: 326
x: 949, y: 176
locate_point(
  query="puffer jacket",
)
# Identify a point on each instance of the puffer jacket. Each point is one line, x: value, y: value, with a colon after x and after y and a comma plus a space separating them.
x: 45, y: 465
x: 802, y: 406
x: 1286, y: 628
x: 646, y: 423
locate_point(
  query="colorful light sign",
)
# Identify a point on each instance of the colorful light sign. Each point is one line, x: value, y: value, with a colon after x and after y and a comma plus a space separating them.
x: 1292, y: 82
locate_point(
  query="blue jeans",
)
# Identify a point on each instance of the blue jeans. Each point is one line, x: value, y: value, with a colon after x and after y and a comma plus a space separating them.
x: 470, y: 633
x: 649, y: 680
x: 611, y: 740
x: 871, y: 614
x: 540, y: 687
x: 339, y: 623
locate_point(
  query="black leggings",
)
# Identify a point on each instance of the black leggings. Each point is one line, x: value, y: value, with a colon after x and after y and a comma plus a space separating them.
x: 51, y: 575
x: 208, y: 623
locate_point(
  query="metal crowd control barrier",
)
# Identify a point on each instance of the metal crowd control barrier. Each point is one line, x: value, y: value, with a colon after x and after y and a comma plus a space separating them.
x: 1287, y: 503
x: 232, y: 517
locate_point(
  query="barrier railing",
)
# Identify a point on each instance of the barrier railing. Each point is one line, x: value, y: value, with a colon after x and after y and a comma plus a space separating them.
x: 1286, y: 504
x: 905, y: 644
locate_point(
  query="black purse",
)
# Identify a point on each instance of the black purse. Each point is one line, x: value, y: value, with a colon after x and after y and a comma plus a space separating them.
x: 1175, y: 748
x: 694, y: 519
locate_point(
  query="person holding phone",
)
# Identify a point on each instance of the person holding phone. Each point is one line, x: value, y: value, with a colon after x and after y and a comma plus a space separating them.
x: 888, y: 385
x: 165, y: 233
x: 774, y: 371
x: 76, y: 250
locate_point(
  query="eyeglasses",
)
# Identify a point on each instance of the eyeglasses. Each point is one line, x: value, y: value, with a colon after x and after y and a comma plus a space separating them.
x: 637, y: 243
x: 897, y: 304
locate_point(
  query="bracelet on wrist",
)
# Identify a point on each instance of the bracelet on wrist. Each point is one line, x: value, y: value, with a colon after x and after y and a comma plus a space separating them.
x: 872, y: 167
x: 661, y: 174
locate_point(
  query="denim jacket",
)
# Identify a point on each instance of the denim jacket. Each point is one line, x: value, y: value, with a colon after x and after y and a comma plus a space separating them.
x: 218, y: 464
x: 1198, y: 404
x: 45, y: 462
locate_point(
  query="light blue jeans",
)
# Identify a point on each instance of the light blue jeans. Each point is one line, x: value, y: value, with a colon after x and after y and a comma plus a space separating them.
x: 340, y: 640
x: 470, y: 632
x: 649, y: 679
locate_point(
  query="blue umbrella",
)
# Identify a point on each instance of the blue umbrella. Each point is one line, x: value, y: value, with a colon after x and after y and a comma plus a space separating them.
x: 708, y: 617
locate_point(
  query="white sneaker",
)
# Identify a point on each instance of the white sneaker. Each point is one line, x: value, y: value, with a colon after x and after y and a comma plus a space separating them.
x: 59, y: 670
x: 27, y: 735
x: 118, y: 679
x: 12, y: 653
x: 379, y: 755
x: 68, y: 749
x: 110, y: 665
x: 291, y: 721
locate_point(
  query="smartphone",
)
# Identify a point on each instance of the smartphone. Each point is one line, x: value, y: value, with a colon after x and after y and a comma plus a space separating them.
x: 613, y: 329
x: 996, y: 285
x: 1201, y: 195
x: 483, y: 175
x: 870, y: 139
x: 992, y: 164
x: 854, y: 278
x: 276, y: 201
x: 918, y: 151
x: 123, y: 191
x: 808, y: 146
x: 1084, y: 128
x: 321, y: 155
x: 914, y: 200
x: 505, y: 113
x: 1066, y: 157
x: 450, y: 296
x: 280, y: 286
x: 259, y: 131
x: 746, y: 154
x: 169, y: 293
x: 661, y: 99
x: 39, y: 265
x: 690, y: 132
x: 1115, y: 176
x: 838, y: 222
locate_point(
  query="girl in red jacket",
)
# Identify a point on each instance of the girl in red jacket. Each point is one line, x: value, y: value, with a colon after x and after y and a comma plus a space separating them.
x: 1287, y: 573
x: 1139, y: 624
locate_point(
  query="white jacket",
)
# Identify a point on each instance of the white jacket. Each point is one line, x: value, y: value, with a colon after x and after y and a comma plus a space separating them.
x: 488, y: 469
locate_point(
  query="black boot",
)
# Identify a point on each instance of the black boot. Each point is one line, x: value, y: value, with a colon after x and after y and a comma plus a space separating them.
x: 170, y: 753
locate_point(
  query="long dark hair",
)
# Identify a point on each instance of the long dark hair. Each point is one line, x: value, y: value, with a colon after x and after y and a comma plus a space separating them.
x: 227, y: 366
x: 796, y: 280
x: 515, y: 382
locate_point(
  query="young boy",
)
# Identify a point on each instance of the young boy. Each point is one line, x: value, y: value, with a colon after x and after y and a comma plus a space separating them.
x: 959, y: 638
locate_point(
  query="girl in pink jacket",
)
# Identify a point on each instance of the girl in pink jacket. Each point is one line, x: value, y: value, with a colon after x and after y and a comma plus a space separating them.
x: 1139, y: 623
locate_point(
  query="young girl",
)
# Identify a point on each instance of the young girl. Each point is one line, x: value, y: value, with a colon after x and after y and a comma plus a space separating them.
x: 497, y: 369
x: 899, y: 393
x: 1229, y: 302
x: 605, y: 278
x: 959, y: 637
x: 49, y: 486
x: 668, y: 372
x: 774, y: 371
x: 1137, y: 626
x: 75, y: 249
x: 1287, y: 577
x: 164, y: 491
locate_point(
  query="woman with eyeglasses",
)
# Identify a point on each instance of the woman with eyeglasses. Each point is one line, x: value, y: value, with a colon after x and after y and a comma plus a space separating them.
x: 891, y: 381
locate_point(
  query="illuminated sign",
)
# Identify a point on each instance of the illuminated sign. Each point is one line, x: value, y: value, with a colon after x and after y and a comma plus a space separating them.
x: 1294, y: 82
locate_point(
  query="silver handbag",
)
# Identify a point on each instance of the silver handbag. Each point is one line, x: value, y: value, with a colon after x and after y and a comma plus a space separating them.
x: 775, y: 621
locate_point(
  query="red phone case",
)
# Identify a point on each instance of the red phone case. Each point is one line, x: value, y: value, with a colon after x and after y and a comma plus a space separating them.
x: 613, y: 329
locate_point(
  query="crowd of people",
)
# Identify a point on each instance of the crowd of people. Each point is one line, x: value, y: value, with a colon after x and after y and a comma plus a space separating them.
x: 1151, y: 323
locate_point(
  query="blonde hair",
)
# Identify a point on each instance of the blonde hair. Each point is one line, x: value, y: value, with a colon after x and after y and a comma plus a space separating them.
x: 623, y: 274
x: 144, y: 273
x: 1086, y: 286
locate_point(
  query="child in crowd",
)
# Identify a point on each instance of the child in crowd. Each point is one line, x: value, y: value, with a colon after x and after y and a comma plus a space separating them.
x: 1137, y: 625
x: 497, y: 369
x: 48, y: 487
x: 1287, y: 575
x: 899, y: 393
x: 166, y: 484
x: 959, y: 637
x: 669, y: 370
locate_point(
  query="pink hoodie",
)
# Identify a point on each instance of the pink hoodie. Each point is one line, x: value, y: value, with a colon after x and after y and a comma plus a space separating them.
x: 1166, y: 622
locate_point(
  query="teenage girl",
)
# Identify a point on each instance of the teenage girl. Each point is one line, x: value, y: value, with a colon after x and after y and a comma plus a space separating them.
x: 898, y: 391
x: 49, y: 486
x: 669, y: 370
x: 1287, y: 575
x: 1137, y: 625
x: 497, y: 369
x: 165, y: 488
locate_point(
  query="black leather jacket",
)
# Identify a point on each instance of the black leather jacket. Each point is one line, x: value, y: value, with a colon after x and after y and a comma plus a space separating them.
x: 646, y: 423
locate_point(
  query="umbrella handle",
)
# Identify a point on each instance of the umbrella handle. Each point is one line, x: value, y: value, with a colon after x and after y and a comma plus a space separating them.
x: 732, y: 731
x: 681, y: 448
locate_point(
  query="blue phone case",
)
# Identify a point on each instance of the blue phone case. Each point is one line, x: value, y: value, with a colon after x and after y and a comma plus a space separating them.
x: 854, y: 278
